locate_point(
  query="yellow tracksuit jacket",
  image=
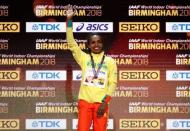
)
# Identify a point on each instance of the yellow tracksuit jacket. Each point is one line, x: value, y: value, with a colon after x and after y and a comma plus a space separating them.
x: 93, y: 90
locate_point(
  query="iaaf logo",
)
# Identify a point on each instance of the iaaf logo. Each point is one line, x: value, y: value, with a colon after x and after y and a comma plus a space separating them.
x: 93, y: 27
x: 46, y: 75
x: 45, y: 27
x: 77, y: 75
x: 177, y: 26
x: 46, y: 124
x: 180, y: 124
x: 176, y: 75
x: 109, y: 124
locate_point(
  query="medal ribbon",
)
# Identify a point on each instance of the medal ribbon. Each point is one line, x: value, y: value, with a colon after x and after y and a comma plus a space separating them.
x: 99, y: 65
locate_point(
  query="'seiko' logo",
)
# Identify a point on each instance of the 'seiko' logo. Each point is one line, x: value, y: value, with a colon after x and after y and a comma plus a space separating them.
x: 9, y: 75
x: 9, y: 124
x: 130, y: 124
x: 144, y: 75
x: 9, y: 27
x: 139, y: 27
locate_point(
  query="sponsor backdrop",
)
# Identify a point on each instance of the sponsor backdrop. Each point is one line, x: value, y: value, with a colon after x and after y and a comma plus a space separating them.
x: 40, y: 79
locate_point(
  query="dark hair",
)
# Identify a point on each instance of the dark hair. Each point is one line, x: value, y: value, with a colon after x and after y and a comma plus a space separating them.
x: 89, y: 38
x: 92, y: 34
x: 107, y: 40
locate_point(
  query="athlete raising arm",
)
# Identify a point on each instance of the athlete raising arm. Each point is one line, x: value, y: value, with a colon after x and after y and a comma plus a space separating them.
x: 99, y: 80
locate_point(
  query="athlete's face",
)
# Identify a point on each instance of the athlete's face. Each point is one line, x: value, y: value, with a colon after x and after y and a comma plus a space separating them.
x: 95, y: 44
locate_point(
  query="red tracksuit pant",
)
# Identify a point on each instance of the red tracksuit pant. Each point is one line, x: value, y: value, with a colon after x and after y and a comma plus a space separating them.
x: 88, y: 115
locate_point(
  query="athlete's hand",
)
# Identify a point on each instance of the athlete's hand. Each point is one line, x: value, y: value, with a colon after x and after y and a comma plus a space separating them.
x: 69, y: 12
x: 102, y: 109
